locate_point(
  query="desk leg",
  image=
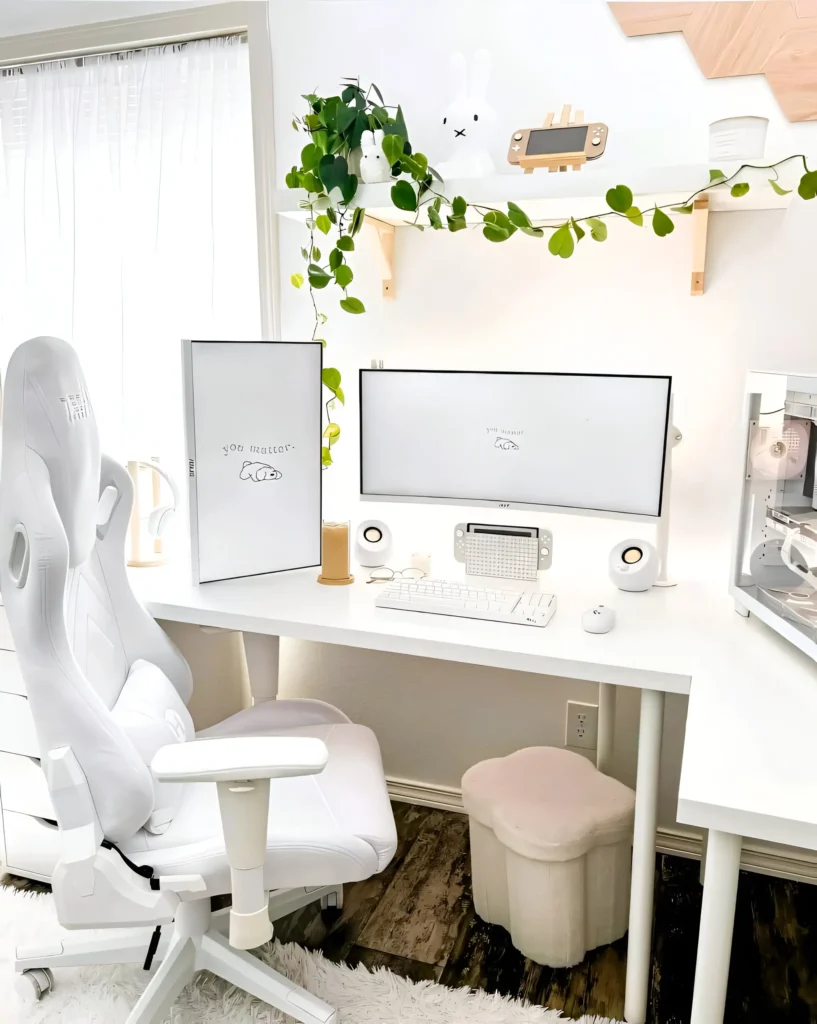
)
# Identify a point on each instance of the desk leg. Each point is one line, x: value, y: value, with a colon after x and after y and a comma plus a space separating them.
x: 607, y: 725
x: 643, y: 881
x: 717, y: 925
x: 261, y: 652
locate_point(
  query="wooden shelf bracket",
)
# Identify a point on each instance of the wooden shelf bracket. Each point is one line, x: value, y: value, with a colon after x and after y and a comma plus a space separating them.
x: 385, y: 238
x: 700, y: 224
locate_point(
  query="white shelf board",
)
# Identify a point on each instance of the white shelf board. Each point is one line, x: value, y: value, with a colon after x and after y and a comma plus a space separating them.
x: 554, y: 197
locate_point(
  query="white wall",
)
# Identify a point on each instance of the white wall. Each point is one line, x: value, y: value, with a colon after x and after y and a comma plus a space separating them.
x: 623, y: 306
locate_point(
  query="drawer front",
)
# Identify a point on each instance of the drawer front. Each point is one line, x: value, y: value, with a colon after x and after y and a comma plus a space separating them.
x: 17, y: 734
x: 6, y: 643
x: 11, y: 678
x: 23, y: 787
x: 31, y: 844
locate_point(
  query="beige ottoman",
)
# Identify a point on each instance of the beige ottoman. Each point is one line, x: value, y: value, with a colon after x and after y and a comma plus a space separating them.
x: 551, y: 840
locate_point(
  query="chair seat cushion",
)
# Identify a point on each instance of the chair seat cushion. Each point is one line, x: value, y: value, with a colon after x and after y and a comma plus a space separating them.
x: 546, y: 803
x: 276, y: 716
x: 323, y: 829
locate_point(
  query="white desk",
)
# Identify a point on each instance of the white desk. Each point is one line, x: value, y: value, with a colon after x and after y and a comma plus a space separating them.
x: 749, y: 769
x: 661, y: 639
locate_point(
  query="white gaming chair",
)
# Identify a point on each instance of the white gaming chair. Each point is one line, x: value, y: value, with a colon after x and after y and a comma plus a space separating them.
x: 285, y: 796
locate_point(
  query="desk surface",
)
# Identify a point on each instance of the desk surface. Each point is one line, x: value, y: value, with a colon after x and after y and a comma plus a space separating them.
x: 750, y: 752
x: 649, y: 648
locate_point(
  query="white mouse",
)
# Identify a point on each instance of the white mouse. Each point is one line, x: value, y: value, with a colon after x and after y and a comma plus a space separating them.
x: 598, y: 619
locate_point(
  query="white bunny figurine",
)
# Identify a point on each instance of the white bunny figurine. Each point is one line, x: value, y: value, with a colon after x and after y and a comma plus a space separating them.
x: 374, y: 166
x: 468, y: 119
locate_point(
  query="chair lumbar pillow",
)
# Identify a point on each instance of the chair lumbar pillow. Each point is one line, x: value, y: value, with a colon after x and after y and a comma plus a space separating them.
x: 152, y: 821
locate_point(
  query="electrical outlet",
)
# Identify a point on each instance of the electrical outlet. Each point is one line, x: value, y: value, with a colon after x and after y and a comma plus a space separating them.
x: 582, y: 725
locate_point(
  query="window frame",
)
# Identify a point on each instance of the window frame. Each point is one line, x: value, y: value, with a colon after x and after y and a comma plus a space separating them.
x: 248, y: 17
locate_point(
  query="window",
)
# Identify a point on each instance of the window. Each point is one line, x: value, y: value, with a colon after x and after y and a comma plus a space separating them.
x: 127, y: 221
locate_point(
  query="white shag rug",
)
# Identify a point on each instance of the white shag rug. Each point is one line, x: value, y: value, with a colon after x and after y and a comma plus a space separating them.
x: 105, y: 995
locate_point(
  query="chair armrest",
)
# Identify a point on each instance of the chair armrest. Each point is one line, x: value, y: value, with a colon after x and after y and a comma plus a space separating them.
x: 235, y: 759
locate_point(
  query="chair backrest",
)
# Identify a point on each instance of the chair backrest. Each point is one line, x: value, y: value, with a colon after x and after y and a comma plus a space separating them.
x: 77, y: 626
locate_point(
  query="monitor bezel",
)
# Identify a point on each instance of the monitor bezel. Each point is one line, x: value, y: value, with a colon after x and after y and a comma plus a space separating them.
x: 525, y: 506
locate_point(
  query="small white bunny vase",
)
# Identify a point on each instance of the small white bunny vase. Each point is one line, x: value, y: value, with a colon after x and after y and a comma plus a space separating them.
x: 374, y: 166
x: 468, y: 119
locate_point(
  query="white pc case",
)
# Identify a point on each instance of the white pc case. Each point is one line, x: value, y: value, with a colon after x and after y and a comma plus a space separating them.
x: 775, y: 567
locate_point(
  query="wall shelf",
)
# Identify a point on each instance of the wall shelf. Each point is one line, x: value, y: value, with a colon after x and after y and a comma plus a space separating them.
x: 551, y: 198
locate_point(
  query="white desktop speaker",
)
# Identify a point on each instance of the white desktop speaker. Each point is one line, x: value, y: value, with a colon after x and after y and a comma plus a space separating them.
x: 634, y: 565
x: 372, y: 544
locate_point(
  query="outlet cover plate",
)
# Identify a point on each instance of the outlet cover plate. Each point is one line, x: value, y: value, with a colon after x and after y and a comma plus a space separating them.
x: 582, y: 725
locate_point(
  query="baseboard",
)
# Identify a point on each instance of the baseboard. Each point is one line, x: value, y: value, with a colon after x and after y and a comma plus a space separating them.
x: 763, y: 859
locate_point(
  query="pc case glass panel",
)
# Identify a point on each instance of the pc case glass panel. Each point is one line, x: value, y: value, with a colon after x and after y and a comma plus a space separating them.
x: 777, y: 541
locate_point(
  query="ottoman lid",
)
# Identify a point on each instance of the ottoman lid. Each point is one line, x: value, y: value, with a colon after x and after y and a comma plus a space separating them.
x: 546, y: 803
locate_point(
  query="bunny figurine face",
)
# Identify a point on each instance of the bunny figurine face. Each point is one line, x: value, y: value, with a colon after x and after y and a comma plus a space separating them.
x: 374, y: 166
x: 467, y: 121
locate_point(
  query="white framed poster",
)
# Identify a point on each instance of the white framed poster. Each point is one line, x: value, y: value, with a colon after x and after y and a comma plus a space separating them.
x: 253, y: 419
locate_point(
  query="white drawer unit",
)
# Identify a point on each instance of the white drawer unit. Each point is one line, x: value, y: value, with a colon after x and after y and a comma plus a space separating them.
x: 32, y: 845
x: 6, y: 643
x: 17, y: 734
x: 23, y: 787
x: 11, y: 678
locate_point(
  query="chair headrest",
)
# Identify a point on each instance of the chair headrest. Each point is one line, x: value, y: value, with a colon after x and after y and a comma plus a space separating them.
x: 47, y: 411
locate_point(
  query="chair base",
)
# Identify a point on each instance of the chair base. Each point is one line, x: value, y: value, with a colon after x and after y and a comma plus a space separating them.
x: 196, y: 943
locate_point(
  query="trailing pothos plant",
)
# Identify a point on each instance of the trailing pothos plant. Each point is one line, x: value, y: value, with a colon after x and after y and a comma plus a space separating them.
x: 334, y: 127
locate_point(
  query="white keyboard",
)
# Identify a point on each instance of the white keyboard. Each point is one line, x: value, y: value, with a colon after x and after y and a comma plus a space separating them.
x: 526, y: 607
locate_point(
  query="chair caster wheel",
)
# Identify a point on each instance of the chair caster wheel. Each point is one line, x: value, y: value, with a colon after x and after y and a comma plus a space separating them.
x: 331, y: 905
x: 34, y: 983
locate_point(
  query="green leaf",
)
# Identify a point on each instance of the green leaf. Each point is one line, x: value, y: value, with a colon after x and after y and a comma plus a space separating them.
x: 331, y: 432
x: 380, y: 113
x: 352, y: 305
x: 310, y: 157
x: 349, y: 93
x: 333, y: 171
x: 313, y: 122
x: 495, y: 233
x: 310, y: 182
x: 320, y: 280
x: 661, y: 224
x: 740, y: 189
x: 322, y: 317
x: 598, y: 229
x: 456, y: 223
x: 421, y: 160
x: 349, y: 188
x: 403, y: 195
x: 534, y: 232
x: 335, y: 259
x: 619, y: 198
x: 500, y: 220
x: 297, y: 280
x: 459, y: 206
x: 807, y: 189
x: 304, y: 253
x: 293, y: 178
x: 635, y: 216
x: 682, y: 209
x: 716, y: 175
x: 392, y: 147
x: 378, y: 93
x: 321, y: 340
x: 316, y: 254
x: 323, y: 223
x: 779, y: 188
x: 578, y: 231
x: 518, y: 216
x: 340, y: 396
x: 357, y: 221
x: 434, y: 218
x: 330, y: 213
x: 345, y: 243
x: 344, y: 275
x: 331, y: 377
x: 326, y: 457
x: 561, y: 242
x: 360, y: 126
x: 294, y: 124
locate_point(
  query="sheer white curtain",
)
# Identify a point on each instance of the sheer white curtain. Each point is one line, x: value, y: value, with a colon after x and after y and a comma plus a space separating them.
x: 127, y: 222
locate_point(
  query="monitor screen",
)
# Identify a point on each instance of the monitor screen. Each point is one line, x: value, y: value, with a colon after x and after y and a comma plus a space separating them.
x: 542, y: 141
x: 572, y: 441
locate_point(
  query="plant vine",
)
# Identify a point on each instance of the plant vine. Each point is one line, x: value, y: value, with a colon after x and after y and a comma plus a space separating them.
x: 335, y: 126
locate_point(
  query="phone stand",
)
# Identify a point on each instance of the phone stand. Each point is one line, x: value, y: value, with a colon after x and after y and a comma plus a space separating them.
x: 557, y: 161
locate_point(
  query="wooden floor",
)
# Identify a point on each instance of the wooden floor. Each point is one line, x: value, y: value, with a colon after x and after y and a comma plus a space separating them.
x: 417, y: 919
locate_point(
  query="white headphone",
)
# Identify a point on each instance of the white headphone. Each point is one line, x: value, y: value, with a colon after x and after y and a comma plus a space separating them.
x: 162, y: 514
